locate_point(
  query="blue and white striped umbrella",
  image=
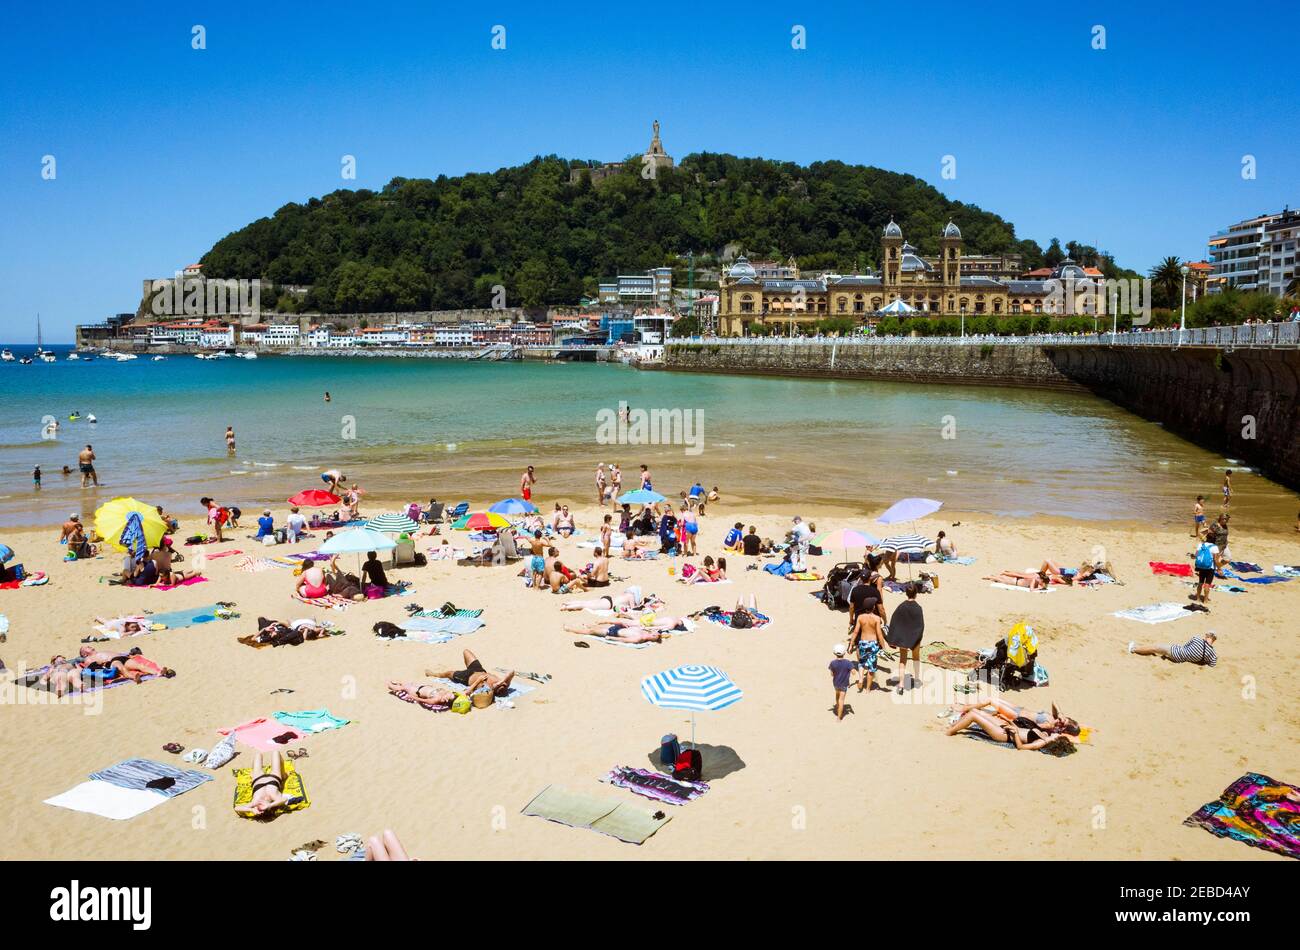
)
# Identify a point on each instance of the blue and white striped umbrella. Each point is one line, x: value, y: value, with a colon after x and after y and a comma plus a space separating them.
x: 394, y: 521
x: 911, y: 543
x: 695, y: 688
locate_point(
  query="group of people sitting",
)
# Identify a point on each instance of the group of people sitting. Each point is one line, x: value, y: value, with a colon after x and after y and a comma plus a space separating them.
x: 157, y: 567
x: 547, y: 572
x: 315, y: 581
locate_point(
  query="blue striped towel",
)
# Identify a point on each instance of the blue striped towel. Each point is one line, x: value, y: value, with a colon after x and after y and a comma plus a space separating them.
x: 138, y: 773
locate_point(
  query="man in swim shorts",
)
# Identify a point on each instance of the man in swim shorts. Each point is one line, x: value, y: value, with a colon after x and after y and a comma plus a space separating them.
x: 86, y: 460
x: 474, y: 675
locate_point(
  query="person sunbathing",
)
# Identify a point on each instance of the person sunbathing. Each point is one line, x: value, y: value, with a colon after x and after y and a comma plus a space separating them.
x: 386, y: 847
x: 1032, y: 581
x: 474, y: 676
x: 268, y: 787
x: 630, y: 599
x: 621, y: 631
x: 162, y: 558
x: 1023, y: 734
x: 122, y: 626
x: 277, y: 633
x: 62, y: 676
x: 634, y: 547
x: 422, y: 693
x: 131, y: 665
x: 1010, y: 713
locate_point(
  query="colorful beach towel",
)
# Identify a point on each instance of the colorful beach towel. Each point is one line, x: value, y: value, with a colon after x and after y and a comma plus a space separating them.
x: 1155, y: 613
x: 406, y: 697
x: 219, y: 554
x: 655, y: 785
x: 517, y: 688
x: 311, y: 720
x: 188, y: 582
x: 88, y: 684
x: 328, y: 602
x: 138, y: 773
x: 723, y: 619
x: 261, y: 734
x: 1286, y: 570
x: 1256, y: 811
x: 963, y: 559
x: 1167, y: 567
x: 294, y: 790
x: 620, y: 820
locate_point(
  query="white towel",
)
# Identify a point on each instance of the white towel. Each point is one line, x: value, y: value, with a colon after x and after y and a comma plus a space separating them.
x: 107, y: 800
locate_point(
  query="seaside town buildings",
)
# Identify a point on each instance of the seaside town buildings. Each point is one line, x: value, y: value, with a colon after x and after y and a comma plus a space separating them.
x: 907, y: 284
x: 1257, y: 254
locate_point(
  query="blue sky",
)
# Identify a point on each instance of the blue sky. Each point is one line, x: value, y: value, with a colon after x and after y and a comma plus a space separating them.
x: 161, y: 149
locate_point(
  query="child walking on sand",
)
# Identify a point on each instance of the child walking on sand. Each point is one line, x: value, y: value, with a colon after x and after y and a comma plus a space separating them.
x: 1198, y: 516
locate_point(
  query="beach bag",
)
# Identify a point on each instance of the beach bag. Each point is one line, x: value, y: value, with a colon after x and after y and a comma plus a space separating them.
x: 688, y: 570
x: 1204, y: 557
x: 688, y: 765
x: 461, y: 704
x: 222, y: 752
x: 742, y: 619
x: 385, y: 629
x: 669, y: 749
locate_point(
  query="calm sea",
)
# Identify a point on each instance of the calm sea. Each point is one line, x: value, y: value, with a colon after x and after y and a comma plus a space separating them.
x: 409, y: 429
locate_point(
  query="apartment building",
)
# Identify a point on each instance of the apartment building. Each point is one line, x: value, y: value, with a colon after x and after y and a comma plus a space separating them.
x: 1235, y: 254
x: 1277, y: 259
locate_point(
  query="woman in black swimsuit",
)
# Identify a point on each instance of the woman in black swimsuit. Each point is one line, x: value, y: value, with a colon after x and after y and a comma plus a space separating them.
x: 268, y: 787
x: 1023, y: 733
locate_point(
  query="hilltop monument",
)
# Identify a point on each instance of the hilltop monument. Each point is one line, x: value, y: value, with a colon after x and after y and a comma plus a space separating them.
x: 654, y: 157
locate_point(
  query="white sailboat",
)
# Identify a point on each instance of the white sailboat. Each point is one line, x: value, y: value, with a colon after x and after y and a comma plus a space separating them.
x: 6, y: 356
x: 41, y: 353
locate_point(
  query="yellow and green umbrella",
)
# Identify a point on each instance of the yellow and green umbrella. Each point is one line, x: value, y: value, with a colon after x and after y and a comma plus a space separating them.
x: 110, y: 519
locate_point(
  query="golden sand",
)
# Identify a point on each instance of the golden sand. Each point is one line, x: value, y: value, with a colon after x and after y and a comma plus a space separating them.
x: 886, y: 782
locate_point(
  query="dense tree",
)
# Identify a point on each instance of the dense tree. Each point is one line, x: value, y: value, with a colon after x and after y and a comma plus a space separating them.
x: 444, y: 244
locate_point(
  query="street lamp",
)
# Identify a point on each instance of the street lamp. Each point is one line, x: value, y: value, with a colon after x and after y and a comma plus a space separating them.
x: 963, y: 323
x: 1182, y: 320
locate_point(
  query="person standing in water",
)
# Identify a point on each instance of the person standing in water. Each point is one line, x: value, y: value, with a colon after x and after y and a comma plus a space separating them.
x: 1227, y: 488
x: 86, y: 460
x: 526, y: 483
x: 230, y: 439
x: 327, y: 395
x: 36, y: 477
x: 1198, y: 517
x: 600, y: 484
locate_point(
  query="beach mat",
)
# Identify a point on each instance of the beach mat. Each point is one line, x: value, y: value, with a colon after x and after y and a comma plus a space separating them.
x: 1156, y: 613
x: 188, y: 582
x: 1255, y: 811
x: 1172, y: 569
x: 260, y: 734
x: 329, y: 601
x: 137, y: 773
x: 107, y: 800
x: 723, y: 619
x: 609, y: 817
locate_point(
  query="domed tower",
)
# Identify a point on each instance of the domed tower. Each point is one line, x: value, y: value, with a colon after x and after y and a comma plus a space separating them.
x: 950, y: 256
x: 891, y: 254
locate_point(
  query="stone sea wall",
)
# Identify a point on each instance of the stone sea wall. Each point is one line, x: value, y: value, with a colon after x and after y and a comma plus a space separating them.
x: 1243, y: 403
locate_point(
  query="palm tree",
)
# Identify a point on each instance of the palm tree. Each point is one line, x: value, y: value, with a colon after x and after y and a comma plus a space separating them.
x: 1166, y: 281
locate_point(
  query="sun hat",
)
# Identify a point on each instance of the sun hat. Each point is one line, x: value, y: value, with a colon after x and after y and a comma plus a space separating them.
x: 838, y: 649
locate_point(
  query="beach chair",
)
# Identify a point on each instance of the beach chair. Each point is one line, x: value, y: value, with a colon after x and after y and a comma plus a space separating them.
x: 434, y: 514
x: 404, y: 553
x: 458, y: 512
x: 509, y: 550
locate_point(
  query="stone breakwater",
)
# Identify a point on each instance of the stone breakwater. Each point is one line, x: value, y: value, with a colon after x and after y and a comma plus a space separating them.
x: 971, y: 364
x: 1243, y: 403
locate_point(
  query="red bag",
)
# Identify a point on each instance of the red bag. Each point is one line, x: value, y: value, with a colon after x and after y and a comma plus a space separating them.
x: 688, y: 765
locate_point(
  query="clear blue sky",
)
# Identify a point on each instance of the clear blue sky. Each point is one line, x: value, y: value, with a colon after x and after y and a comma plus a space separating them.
x: 161, y: 149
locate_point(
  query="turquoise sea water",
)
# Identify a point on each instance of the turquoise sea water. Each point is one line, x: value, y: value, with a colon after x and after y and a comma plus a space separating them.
x: 408, y: 429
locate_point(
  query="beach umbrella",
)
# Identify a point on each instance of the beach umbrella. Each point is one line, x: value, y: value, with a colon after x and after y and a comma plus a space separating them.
x: 395, y: 521
x: 909, y: 509
x: 314, y: 498
x: 906, y: 544
x: 357, y: 541
x: 480, y: 520
x: 513, y: 506
x: 845, y: 538
x: 694, y: 688
x: 6, y: 552
x: 641, y: 496
x: 110, y: 520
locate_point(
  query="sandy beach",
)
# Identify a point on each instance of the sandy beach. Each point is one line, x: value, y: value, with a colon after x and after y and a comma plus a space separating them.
x: 884, y: 783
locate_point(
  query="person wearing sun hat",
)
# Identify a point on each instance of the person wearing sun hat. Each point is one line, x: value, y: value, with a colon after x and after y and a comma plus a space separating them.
x: 841, y: 672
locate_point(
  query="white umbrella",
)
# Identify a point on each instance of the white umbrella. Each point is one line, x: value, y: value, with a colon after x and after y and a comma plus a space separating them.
x: 357, y: 541
x: 694, y: 688
x: 396, y: 522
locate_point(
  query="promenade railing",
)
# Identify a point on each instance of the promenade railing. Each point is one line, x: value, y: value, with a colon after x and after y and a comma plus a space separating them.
x: 1253, y: 335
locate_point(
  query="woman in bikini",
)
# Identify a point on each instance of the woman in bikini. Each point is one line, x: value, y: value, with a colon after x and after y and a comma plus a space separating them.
x: 1037, y: 581
x: 268, y: 787
x: 421, y: 694
x: 131, y: 665
x: 62, y: 676
x: 1009, y: 713
x: 630, y: 599
x: 1022, y: 733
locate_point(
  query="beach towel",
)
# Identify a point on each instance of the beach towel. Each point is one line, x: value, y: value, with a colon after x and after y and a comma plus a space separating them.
x: 261, y: 733
x: 438, y: 613
x: 252, y: 565
x: 132, y: 538
x: 311, y: 720
x: 107, y: 800
x: 1166, y: 567
x: 963, y: 559
x: 189, y: 581
x: 655, y: 785
x: 945, y: 657
x: 88, y: 684
x: 138, y: 773
x: 1267, y: 579
x: 328, y: 602
x: 804, y: 576
x: 1041, y: 590
x: 1246, y: 567
x: 457, y: 626
x: 779, y: 570
x: 294, y: 790
x: 723, y: 619
x: 609, y: 817
x: 610, y: 641
x: 1255, y: 811
x: 213, y: 557
x: 1287, y: 570
x: 444, y: 552
x: 172, y: 620
x: 1155, y: 613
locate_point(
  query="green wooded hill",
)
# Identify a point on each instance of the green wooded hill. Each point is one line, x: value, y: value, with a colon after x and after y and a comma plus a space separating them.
x: 421, y: 244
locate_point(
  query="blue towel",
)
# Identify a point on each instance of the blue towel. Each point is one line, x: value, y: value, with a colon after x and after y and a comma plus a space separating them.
x: 133, y: 536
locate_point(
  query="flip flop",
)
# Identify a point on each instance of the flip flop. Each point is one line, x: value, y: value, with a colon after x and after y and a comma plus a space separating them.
x: 582, y: 643
x: 175, y: 748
